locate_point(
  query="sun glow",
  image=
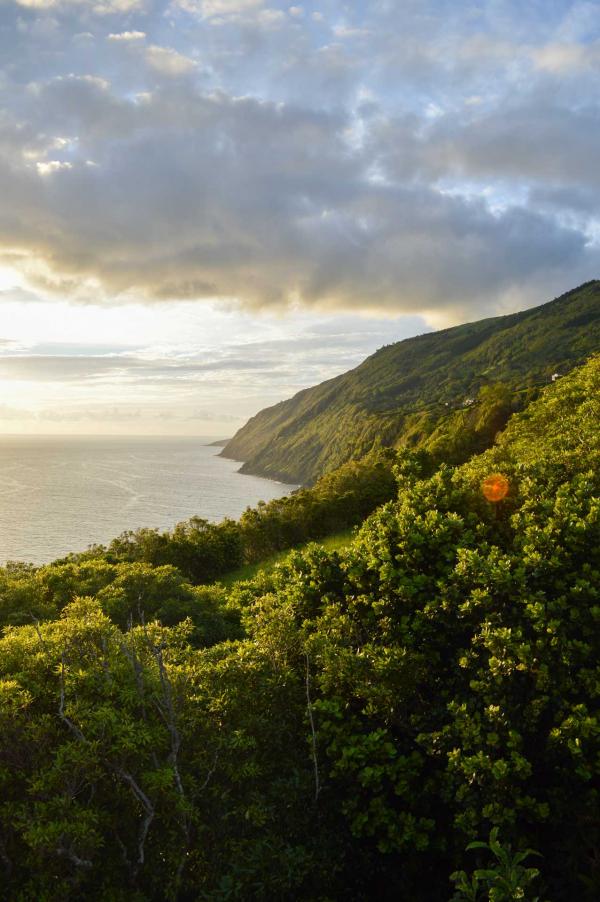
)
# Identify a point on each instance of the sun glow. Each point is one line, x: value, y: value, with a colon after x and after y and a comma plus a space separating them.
x: 9, y: 278
x: 495, y: 487
x: 177, y: 368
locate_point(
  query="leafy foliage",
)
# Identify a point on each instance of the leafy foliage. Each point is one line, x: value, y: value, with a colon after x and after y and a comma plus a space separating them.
x: 505, y: 881
x: 128, y: 593
x: 204, y: 551
x: 385, y: 705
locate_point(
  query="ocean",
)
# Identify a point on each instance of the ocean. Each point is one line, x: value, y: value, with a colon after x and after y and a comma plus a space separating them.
x: 60, y: 494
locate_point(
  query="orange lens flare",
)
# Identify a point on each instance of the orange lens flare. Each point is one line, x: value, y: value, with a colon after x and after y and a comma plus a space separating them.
x: 495, y: 487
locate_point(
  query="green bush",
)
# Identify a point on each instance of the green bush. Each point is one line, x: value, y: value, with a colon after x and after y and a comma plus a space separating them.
x: 437, y: 681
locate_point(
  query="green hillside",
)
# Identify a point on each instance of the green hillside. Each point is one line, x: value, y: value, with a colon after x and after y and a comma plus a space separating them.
x: 344, y: 725
x: 417, y: 392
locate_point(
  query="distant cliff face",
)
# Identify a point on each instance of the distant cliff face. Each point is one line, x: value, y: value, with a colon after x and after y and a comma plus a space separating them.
x: 447, y: 391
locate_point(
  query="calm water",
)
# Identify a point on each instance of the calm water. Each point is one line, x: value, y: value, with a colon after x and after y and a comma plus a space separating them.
x: 62, y: 494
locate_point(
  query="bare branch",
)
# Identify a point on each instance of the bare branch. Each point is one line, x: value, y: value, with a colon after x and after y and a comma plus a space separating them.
x: 211, y: 772
x: 36, y: 626
x: 167, y: 712
x: 138, y: 672
x: 146, y: 805
x: 61, y: 706
x: 105, y: 667
x: 312, y: 730
x: 73, y: 857
x: 123, y: 849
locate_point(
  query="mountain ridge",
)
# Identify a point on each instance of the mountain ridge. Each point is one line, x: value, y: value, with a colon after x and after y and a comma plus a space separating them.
x: 447, y: 391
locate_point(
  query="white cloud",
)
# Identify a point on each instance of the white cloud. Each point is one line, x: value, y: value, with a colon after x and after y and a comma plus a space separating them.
x: 268, y: 17
x: 344, y: 31
x: 37, y: 4
x: 116, y: 7
x: 168, y: 61
x: 128, y: 36
x: 95, y: 81
x: 561, y: 59
x: 192, y: 361
x: 7, y: 412
x: 98, y: 7
x: 221, y: 10
x: 50, y: 166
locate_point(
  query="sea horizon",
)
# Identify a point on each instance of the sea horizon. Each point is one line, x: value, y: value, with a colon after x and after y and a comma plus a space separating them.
x: 73, y: 491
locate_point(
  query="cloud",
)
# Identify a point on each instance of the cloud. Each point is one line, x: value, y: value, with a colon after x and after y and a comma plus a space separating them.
x: 563, y: 59
x: 127, y: 36
x: 19, y: 295
x: 96, y: 412
x: 221, y: 10
x: 241, y: 199
x: 50, y: 166
x: 292, y: 358
x: 444, y: 170
x: 97, y: 7
x: 524, y: 141
x: 9, y: 412
x: 209, y: 416
x: 115, y: 7
x: 42, y: 368
x: 343, y: 31
x: 168, y: 61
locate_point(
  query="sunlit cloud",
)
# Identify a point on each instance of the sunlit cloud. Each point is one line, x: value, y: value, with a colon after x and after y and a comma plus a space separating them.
x: 168, y: 61
x: 60, y: 363
x: 568, y: 58
x: 211, y: 179
x: 127, y: 36
x: 275, y: 172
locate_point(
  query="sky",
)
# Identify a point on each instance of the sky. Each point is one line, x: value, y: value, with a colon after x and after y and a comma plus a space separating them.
x: 207, y: 205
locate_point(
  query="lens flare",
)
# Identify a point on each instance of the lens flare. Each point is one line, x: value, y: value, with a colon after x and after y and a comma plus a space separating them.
x: 495, y: 487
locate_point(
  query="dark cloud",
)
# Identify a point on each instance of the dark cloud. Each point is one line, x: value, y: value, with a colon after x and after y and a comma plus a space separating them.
x: 398, y: 157
x: 537, y: 142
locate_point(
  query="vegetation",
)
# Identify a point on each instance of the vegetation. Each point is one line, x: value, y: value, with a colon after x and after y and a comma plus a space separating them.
x: 335, y: 542
x: 416, y: 393
x: 204, y: 551
x: 344, y: 726
x: 505, y: 880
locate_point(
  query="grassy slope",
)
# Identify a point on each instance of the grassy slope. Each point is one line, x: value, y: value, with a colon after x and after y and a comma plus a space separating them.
x: 331, y: 543
x: 400, y: 394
